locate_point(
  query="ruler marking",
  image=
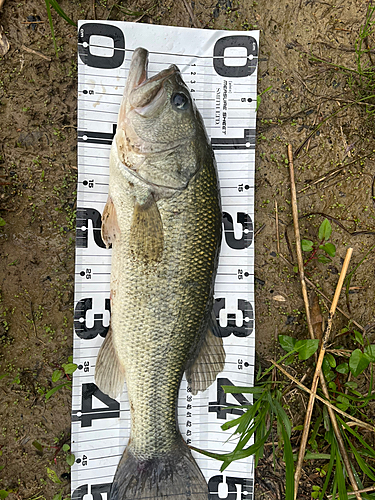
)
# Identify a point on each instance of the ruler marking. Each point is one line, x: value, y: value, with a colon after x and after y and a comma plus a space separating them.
x: 235, y: 167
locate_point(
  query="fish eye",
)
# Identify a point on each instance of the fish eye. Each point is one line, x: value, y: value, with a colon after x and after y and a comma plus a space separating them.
x: 179, y: 101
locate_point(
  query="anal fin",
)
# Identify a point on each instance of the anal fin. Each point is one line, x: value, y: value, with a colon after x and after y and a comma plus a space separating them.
x: 209, y: 362
x: 109, y: 372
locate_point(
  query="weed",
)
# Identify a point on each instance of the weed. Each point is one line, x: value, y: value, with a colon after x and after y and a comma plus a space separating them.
x: 259, y: 420
x: 259, y: 99
x: 53, y: 476
x: 73, y: 70
x: 59, y: 134
x: 61, y: 13
x: 5, y: 493
x: 328, y: 249
x: 55, y: 479
x: 66, y: 370
x: 69, y: 458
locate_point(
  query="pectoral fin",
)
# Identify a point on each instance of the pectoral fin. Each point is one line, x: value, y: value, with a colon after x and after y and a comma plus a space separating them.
x: 110, y: 227
x: 208, y: 364
x: 146, y: 232
x: 109, y: 372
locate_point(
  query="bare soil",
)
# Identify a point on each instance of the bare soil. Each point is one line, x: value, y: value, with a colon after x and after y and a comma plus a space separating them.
x: 38, y: 174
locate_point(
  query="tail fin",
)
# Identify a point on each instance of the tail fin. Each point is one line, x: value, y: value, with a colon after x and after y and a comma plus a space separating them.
x: 170, y: 476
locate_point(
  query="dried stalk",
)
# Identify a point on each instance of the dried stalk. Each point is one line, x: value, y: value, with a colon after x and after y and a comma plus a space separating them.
x: 350, y: 493
x: 340, y: 440
x: 332, y: 415
x: 310, y: 283
x: 259, y: 230
x: 316, y: 377
x: 314, y: 123
x: 36, y: 52
x: 190, y: 12
x: 298, y: 240
x: 277, y: 228
x: 355, y: 421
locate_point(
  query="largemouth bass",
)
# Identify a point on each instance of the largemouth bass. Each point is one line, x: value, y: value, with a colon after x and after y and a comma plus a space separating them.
x: 163, y: 219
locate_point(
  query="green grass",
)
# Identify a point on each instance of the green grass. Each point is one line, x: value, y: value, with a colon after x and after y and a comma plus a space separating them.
x: 61, y: 13
x: 266, y: 421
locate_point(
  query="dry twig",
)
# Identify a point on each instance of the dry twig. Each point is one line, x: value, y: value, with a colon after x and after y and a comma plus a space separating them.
x: 310, y: 283
x: 259, y: 230
x: 314, y: 123
x: 298, y: 240
x: 277, y: 228
x: 350, y: 493
x: 189, y: 9
x: 355, y: 421
x: 318, y: 375
x: 36, y: 52
x: 34, y: 325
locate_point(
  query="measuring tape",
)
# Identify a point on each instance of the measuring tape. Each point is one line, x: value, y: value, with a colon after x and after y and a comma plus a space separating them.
x: 220, y: 69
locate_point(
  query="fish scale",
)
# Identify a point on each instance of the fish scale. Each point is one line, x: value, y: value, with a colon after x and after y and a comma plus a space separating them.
x: 171, y: 302
x: 163, y: 219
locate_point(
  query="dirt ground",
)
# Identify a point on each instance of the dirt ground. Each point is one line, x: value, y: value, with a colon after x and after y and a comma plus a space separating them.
x: 38, y: 174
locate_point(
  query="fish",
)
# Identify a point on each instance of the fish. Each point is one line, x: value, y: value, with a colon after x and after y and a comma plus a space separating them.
x: 163, y: 219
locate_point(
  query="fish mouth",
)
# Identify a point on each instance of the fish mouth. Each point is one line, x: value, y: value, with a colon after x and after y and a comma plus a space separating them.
x: 146, y: 95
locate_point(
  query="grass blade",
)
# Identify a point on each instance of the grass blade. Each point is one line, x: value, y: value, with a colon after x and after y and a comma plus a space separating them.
x: 289, y: 465
x: 52, y: 391
x: 330, y: 468
x: 227, y: 458
x: 51, y: 26
x: 364, y: 467
x: 340, y: 478
x: 355, y: 434
x: 60, y: 12
x: 233, y: 389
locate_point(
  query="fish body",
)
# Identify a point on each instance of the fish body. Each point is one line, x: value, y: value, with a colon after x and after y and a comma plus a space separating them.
x: 163, y: 219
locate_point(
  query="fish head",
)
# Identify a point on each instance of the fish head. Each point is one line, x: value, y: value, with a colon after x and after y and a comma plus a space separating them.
x: 160, y: 133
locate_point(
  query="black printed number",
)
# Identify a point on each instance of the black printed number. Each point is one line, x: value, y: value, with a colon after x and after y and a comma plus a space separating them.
x: 97, y: 491
x: 247, y: 231
x: 246, y: 486
x: 87, y: 413
x: 80, y: 327
x: 247, y: 326
x: 86, y: 31
x: 240, y: 41
x: 221, y: 407
x: 82, y: 227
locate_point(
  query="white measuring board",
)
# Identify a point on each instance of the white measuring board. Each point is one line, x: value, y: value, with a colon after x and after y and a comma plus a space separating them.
x: 220, y: 69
